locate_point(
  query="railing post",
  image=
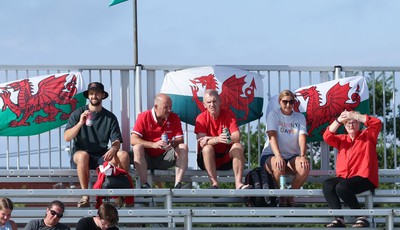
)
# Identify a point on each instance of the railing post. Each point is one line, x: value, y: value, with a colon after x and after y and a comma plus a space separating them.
x: 325, y: 157
x: 138, y: 91
x: 125, y: 110
x: 188, y: 221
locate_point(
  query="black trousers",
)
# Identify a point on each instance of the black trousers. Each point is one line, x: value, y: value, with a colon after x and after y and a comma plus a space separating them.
x: 338, y: 188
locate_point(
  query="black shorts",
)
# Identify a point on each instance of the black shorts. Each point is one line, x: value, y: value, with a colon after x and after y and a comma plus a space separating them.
x: 222, y: 161
x: 95, y: 159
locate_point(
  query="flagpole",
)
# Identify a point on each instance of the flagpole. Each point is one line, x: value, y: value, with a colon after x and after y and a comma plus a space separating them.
x: 135, y: 34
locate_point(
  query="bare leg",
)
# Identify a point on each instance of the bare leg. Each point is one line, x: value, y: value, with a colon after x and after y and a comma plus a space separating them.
x: 81, y: 159
x: 271, y: 168
x: 300, y: 173
x: 209, y: 164
x: 181, y: 153
x: 237, y: 155
x: 140, y: 162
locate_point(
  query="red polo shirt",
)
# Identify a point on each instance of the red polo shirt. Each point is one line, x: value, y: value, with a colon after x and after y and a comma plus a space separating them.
x: 148, y: 129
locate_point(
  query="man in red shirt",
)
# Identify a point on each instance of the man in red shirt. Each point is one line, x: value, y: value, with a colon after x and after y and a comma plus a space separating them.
x: 150, y: 151
x: 219, y: 149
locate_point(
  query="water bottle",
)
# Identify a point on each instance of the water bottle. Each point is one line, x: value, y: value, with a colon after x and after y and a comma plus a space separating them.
x: 228, y: 134
x: 89, y: 119
x: 282, y: 182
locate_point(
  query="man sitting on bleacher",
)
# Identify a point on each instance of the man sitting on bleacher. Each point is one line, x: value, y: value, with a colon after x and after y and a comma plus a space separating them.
x: 150, y: 151
x: 90, y: 148
x: 219, y: 150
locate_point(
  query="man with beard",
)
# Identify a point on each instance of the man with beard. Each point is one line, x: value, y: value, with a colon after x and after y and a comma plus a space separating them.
x: 91, y: 138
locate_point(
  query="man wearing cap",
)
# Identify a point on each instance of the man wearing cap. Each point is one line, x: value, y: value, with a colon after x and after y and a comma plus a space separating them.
x: 90, y: 147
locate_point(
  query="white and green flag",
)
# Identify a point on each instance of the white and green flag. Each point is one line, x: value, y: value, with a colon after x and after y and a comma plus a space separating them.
x: 240, y: 91
x: 322, y: 103
x: 35, y: 105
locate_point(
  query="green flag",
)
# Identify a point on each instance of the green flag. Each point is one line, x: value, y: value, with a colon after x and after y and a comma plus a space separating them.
x: 115, y: 2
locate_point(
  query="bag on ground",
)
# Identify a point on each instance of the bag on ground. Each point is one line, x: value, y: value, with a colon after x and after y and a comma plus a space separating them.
x: 109, y: 177
x: 260, y: 179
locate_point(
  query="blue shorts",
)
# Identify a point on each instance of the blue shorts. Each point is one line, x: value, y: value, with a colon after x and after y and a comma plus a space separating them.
x: 264, y: 159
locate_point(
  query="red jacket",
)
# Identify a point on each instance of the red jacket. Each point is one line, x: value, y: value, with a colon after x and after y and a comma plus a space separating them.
x: 358, y: 157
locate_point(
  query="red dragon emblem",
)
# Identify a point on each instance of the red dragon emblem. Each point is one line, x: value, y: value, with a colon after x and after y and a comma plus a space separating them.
x: 51, y: 91
x: 231, y: 94
x: 336, y: 102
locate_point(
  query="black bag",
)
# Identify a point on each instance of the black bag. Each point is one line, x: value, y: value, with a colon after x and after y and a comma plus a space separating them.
x: 260, y: 179
x: 119, y: 181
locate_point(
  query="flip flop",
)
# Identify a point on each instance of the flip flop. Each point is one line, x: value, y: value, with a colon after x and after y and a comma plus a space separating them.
x: 246, y: 186
x: 361, y: 222
x: 338, y: 223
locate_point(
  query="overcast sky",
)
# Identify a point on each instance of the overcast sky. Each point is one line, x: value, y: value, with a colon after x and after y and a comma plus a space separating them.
x: 188, y: 32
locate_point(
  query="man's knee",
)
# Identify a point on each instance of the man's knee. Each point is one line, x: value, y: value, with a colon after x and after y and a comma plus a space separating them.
x: 182, y: 151
x: 81, y: 157
x: 138, y: 151
x: 209, y: 149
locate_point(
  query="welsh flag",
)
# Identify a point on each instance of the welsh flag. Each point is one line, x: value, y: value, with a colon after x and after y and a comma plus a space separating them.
x: 240, y: 90
x: 35, y: 105
x: 322, y: 103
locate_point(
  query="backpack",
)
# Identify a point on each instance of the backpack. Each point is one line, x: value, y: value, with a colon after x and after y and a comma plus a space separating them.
x: 260, y: 179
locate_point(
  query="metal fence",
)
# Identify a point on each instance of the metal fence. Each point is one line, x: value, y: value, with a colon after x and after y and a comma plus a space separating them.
x: 132, y: 90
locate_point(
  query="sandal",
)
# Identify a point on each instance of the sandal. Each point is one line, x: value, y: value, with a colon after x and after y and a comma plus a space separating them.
x: 84, y: 202
x: 246, y: 186
x: 338, y: 223
x: 290, y: 202
x: 361, y: 222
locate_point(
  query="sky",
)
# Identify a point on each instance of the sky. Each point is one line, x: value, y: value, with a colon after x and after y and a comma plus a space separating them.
x: 206, y: 32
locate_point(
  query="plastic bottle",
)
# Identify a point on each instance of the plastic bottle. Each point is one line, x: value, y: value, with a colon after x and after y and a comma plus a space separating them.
x: 282, y: 182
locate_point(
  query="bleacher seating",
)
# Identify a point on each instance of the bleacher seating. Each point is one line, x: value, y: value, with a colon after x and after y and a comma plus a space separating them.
x: 172, y: 208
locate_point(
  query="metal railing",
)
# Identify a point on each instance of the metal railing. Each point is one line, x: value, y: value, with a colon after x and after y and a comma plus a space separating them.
x: 132, y: 90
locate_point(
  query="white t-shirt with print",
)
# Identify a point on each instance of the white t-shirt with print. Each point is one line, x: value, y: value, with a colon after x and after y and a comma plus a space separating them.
x: 288, y: 129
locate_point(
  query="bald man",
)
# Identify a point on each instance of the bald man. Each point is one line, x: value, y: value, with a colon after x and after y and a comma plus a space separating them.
x: 150, y: 150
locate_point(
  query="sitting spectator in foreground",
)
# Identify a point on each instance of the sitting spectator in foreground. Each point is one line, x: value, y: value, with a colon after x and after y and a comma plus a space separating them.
x: 106, y: 219
x: 6, y: 207
x: 92, y: 127
x: 51, y: 221
x: 150, y: 151
x: 285, y: 151
x: 356, y: 164
x: 217, y: 149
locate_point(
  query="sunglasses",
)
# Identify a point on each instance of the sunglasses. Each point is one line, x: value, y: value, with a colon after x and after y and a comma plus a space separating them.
x: 291, y: 102
x: 54, y: 213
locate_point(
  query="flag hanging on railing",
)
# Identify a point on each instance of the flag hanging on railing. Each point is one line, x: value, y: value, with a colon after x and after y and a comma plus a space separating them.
x: 322, y: 103
x: 35, y: 105
x: 240, y: 90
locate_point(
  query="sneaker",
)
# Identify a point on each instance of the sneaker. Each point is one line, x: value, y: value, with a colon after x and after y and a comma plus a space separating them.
x: 84, y: 202
x: 146, y: 186
x: 118, y: 202
x: 179, y: 185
